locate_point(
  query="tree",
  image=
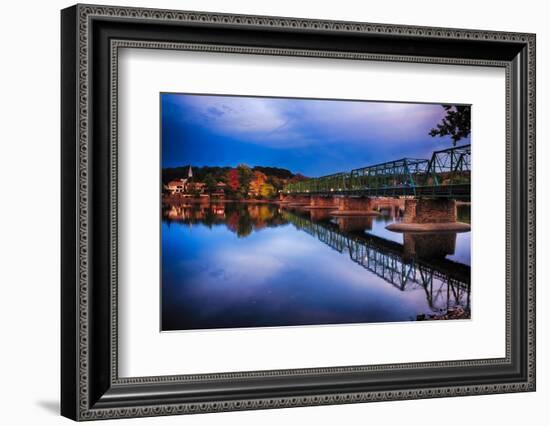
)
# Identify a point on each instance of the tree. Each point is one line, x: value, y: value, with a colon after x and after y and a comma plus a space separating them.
x: 245, y: 176
x: 258, y: 179
x: 456, y: 123
x: 233, y: 180
x: 267, y: 190
x: 210, y: 183
x: 274, y: 171
x: 298, y: 177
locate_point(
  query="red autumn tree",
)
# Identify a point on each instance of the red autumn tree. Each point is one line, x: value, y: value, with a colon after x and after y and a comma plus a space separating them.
x: 233, y: 180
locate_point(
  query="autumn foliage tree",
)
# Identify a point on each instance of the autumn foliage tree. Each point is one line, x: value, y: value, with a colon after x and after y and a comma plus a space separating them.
x: 244, y: 182
x: 258, y: 179
x: 267, y: 190
x: 233, y: 182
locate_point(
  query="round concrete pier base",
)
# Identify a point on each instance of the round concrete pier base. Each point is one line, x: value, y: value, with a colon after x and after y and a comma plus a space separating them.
x: 429, y: 227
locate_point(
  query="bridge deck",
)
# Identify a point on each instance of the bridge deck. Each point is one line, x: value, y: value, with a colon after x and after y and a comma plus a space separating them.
x: 458, y: 191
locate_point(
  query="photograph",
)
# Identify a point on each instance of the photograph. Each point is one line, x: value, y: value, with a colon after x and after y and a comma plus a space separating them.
x: 294, y: 211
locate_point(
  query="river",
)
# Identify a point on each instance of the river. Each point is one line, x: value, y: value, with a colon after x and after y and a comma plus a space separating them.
x: 232, y: 265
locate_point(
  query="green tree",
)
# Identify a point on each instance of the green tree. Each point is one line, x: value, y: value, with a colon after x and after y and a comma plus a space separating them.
x: 456, y: 123
x: 245, y: 176
x: 210, y: 183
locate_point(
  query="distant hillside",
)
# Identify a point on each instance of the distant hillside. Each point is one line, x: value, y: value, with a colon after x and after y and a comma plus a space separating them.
x: 200, y: 173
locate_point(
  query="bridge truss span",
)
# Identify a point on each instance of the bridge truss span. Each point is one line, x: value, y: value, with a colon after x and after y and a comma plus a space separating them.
x: 445, y: 175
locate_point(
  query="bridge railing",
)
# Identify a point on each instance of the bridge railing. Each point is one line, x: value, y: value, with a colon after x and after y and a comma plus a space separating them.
x: 437, y: 176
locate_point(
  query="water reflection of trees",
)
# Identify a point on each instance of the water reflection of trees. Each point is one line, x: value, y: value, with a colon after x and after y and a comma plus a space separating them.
x: 240, y: 218
x: 419, y: 264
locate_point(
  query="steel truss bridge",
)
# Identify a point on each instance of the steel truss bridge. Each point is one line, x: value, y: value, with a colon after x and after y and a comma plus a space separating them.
x: 446, y: 283
x: 445, y: 175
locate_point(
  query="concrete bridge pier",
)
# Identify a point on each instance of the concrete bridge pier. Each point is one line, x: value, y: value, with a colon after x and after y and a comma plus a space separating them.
x: 429, y: 215
x: 322, y: 202
x: 393, y: 206
x: 297, y: 200
x: 349, y: 204
x: 429, y: 211
x: 355, y: 206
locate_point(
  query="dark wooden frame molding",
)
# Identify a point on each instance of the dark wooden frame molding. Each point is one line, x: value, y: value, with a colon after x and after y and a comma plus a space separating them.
x: 91, y: 37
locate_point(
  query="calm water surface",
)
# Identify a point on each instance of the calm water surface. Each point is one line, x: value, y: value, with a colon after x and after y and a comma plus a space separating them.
x: 251, y: 265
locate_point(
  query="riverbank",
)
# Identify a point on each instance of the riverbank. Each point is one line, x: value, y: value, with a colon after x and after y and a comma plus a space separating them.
x: 452, y: 314
x: 208, y: 200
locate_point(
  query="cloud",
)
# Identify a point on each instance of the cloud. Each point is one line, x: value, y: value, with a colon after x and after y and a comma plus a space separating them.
x: 234, y: 115
x: 215, y: 111
x: 255, y: 262
x: 283, y: 123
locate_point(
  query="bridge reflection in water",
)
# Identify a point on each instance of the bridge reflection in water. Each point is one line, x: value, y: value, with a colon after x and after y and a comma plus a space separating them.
x: 417, y: 264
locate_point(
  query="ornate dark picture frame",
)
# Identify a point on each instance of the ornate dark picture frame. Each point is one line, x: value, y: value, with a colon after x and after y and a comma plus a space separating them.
x: 91, y: 37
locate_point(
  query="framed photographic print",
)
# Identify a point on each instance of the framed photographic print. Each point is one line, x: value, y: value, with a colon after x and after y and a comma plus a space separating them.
x: 263, y: 212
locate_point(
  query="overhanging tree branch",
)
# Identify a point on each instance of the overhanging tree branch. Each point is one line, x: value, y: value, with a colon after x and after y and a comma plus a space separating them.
x: 456, y: 123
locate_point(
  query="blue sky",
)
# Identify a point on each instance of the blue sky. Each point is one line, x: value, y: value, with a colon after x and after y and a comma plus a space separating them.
x: 308, y: 136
